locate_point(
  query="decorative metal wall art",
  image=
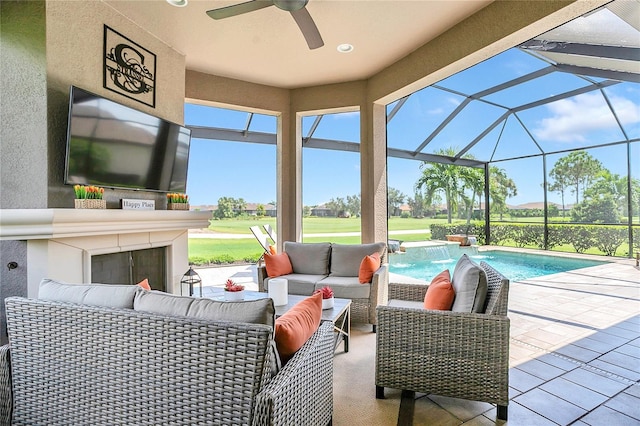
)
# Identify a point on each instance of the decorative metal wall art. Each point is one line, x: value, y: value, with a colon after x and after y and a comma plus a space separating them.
x: 129, y: 69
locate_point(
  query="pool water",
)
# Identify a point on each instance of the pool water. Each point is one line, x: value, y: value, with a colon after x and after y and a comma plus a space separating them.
x: 426, y: 262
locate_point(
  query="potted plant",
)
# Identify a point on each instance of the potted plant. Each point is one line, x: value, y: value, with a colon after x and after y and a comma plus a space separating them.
x: 89, y: 197
x: 327, y: 297
x: 177, y: 201
x: 233, y: 291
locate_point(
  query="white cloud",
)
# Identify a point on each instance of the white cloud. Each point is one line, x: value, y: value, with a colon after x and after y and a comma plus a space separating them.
x: 572, y: 119
x: 454, y: 101
x: 440, y: 110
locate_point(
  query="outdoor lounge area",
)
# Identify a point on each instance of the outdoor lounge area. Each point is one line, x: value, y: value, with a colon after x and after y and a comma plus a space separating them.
x: 574, y: 356
x: 397, y: 71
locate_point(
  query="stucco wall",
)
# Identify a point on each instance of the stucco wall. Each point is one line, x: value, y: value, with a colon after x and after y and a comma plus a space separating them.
x: 75, y: 43
x: 13, y: 282
x: 45, y: 47
x: 23, y: 110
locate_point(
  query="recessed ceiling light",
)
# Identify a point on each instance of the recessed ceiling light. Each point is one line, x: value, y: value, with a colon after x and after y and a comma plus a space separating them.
x: 178, y: 3
x: 345, y: 48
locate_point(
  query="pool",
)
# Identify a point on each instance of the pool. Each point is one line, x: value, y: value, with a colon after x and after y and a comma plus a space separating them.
x: 426, y: 262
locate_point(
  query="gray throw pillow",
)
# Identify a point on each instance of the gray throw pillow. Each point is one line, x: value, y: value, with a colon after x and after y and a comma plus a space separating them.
x: 470, y: 284
x: 259, y: 311
x: 104, y: 295
x: 308, y: 258
x: 346, y: 258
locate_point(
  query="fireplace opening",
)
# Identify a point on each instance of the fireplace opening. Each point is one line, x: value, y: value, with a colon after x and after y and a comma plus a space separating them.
x: 131, y: 267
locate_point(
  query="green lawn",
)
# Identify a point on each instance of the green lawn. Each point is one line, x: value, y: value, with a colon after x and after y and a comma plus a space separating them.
x: 228, y: 250
x: 318, y: 225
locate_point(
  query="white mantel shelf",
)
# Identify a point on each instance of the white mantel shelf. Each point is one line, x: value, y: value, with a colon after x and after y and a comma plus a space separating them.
x: 29, y: 224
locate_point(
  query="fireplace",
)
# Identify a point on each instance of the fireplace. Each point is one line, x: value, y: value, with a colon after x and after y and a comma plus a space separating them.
x: 131, y: 267
x: 68, y: 245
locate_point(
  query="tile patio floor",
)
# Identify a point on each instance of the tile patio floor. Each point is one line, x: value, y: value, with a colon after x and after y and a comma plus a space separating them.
x: 575, y: 350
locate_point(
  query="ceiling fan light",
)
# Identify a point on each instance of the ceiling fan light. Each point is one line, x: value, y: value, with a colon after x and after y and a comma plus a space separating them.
x: 178, y: 3
x: 290, y: 5
x: 345, y: 48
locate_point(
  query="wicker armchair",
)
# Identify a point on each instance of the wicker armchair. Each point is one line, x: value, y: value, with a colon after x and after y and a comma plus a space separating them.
x: 460, y: 355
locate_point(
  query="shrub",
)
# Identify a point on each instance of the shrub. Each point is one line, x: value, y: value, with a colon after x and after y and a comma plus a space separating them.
x: 580, y: 237
x: 198, y: 261
x: 596, y: 210
x: 223, y: 258
x: 252, y: 258
x: 556, y: 236
x: 440, y: 231
x: 528, y: 235
x: 501, y: 233
x: 609, y: 238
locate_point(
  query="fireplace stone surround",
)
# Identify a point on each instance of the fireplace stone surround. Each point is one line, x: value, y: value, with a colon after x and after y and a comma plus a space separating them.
x: 60, y: 242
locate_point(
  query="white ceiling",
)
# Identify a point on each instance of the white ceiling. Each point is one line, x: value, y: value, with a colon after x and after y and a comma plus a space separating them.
x: 267, y: 47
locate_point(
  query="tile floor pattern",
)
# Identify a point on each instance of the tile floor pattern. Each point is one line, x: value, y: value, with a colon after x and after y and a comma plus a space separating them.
x: 575, y: 350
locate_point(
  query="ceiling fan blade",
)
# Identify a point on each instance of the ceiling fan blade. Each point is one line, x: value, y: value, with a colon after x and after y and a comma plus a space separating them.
x: 308, y: 28
x: 238, y: 9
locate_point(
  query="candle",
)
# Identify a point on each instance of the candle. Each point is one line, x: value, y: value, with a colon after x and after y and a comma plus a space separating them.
x: 278, y: 291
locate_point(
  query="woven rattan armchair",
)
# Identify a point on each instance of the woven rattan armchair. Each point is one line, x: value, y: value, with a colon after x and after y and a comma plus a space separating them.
x: 460, y: 355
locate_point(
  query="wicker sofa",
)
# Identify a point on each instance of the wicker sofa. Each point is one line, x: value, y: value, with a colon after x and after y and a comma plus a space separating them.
x: 456, y: 354
x: 316, y: 265
x: 78, y: 364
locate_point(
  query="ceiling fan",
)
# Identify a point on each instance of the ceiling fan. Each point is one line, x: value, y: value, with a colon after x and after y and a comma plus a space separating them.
x: 297, y: 8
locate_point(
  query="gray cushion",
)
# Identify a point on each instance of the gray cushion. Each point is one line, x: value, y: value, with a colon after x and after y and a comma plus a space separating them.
x: 398, y: 303
x: 259, y: 311
x: 308, y: 258
x: 346, y: 258
x: 470, y: 284
x: 104, y: 295
x: 346, y: 287
x: 300, y: 284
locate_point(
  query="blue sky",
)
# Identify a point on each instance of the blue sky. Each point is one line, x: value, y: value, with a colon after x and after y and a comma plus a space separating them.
x: 244, y: 170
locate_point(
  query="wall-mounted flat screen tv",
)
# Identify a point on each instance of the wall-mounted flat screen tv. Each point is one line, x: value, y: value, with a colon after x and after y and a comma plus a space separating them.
x: 115, y: 146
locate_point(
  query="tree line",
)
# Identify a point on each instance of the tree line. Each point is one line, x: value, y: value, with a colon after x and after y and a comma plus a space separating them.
x: 600, y: 196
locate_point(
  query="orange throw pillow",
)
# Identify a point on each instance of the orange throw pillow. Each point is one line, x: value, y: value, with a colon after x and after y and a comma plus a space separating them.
x: 145, y: 284
x: 296, y: 325
x: 272, y: 249
x: 369, y: 265
x: 440, y: 293
x: 277, y: 264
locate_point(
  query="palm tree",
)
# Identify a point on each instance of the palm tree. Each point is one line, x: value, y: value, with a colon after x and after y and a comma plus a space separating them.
x: 438, y: 177
x: 473, y: 179
x: 501, y: 187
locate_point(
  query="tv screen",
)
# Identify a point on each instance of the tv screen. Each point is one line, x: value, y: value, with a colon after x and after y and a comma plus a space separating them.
x: 112, y: 145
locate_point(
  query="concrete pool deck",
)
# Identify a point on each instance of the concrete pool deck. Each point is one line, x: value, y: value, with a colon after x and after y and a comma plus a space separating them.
x: 575, y: 353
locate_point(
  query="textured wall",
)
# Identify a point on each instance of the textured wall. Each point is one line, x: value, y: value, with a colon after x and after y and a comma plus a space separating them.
x: 45, y: 47
x: 23, y: 107
x: 12, y: 282
x: 75, y: 43
x: 23, y: 131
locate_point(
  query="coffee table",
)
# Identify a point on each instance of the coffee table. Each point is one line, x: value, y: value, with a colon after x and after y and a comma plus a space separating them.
x: 339, y: 315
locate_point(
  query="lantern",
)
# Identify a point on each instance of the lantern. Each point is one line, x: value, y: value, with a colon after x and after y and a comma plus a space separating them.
x: 191, y: 278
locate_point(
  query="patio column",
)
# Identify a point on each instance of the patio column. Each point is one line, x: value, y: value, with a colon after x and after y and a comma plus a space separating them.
x: 289, y: 177
x: 373, y: 171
